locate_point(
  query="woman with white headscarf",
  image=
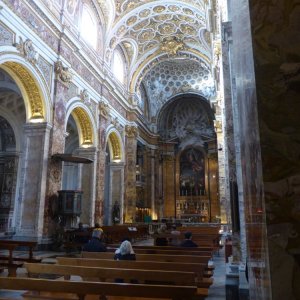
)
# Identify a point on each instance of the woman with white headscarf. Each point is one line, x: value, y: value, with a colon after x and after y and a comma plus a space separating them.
x: 125, y: 252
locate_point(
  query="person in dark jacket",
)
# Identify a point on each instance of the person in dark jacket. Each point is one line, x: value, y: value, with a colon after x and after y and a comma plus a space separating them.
x: 95, y: 244
x: 125, y: 252
x: 188, y: 240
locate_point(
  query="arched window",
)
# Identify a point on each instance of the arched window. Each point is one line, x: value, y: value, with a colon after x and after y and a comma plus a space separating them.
x: 88, y: 27
x: 118, y: 66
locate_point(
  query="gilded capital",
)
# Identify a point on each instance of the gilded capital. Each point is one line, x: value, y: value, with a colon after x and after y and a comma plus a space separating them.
x: 131, y: 131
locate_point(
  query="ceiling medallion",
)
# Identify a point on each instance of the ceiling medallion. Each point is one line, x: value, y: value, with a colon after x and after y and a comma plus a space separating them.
x: 172, y: 45
x: 159, y: 9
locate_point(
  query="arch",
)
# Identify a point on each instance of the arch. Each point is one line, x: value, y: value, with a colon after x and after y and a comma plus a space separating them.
x: 85, y: 123
x: 115, y: 145
x: 32, y: 87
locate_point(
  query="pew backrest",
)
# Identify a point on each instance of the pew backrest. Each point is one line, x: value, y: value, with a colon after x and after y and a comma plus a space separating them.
x: 152, y: 257
x: 82, y: 288
x: 108, y: 274
x: 197, y: 268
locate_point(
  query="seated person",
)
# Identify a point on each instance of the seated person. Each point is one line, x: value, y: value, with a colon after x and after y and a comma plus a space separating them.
x: 125, y: 252
x: 95, y: 244
x: 161, y: 241
x: 174, y: 241
x: 188, y: 240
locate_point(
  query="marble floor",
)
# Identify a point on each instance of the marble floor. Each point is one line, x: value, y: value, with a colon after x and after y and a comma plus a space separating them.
x: 217, y: 289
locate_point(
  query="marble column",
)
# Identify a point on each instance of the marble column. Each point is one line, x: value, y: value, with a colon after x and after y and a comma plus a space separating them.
x: 88, y: 185
x: 33, y: 180
x: 245, y: 110
x: 232, y: 149
x: 130, y: 173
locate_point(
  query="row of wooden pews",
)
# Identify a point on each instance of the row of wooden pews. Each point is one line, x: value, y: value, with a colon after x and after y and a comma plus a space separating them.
x: 159, y: 276
x: 204, y: 237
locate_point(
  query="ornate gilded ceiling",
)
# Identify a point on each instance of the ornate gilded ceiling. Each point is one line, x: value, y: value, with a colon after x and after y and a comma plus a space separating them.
x: 171, y: 78
x: 158, y: 36
x: 152, y: 31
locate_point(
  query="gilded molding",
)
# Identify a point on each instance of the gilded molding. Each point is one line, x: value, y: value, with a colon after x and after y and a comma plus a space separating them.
x: 172, y: 45
x: 33, y: 94
x: 115, y: 144
x: 131, y: 131
x: 85, y: 125
x: 26, y: 49
x: 218, y: 126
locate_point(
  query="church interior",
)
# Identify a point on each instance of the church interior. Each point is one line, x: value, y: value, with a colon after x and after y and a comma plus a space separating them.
x: 141, y: 112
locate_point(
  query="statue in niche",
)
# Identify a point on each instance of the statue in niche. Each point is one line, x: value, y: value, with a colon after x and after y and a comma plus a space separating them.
x: 116, y: 213
x: 63, y: 73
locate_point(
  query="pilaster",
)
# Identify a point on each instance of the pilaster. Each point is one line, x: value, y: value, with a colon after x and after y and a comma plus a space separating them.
x: 130, y: 173
x: 33, y: 180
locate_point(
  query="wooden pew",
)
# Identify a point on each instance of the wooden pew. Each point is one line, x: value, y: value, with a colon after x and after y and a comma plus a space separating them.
x: 30, y: 245
x: 109, y: 274
x: 81, y: 289
x: 152, y: 257
x: 200, y: 248
x: 197, y: 268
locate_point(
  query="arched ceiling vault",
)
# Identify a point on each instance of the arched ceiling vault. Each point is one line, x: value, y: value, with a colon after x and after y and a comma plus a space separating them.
x: 162, y: 30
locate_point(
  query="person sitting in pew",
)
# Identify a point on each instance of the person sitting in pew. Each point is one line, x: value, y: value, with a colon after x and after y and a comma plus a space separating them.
x: 95, y: 244
x: 161, y: 241
x: 188, y: 240
x: 174, y: 241
x: 125, y: 252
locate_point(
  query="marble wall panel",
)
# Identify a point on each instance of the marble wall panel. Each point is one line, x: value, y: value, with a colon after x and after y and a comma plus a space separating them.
x: 130, y: 179
x: 245, y: 112
x: 276, y: 43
